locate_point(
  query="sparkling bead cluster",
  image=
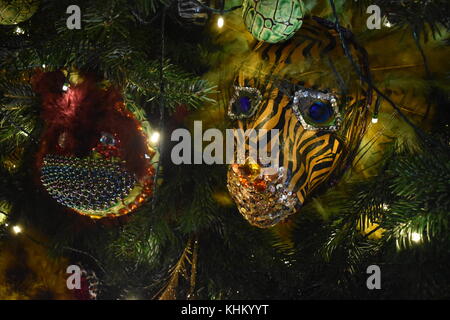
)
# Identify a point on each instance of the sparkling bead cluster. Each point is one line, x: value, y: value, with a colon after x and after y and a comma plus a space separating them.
x: 254, y: 97
x: 262, y: 199
x: 304, y: 97
x: 109, y: 146
x: 85, y: 184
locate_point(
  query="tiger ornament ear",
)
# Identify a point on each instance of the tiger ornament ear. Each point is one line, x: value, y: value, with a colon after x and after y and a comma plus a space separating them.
x: 307, y: 89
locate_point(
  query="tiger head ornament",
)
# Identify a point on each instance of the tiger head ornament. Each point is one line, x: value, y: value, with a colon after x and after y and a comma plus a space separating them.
x: 305, y: 88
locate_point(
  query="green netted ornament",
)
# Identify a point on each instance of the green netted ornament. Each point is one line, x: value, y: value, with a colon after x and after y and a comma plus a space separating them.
x: 272, y: 20
x: 16, y: 11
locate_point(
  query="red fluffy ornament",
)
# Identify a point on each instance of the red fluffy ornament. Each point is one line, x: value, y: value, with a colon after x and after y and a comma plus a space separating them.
x: 94, y: 155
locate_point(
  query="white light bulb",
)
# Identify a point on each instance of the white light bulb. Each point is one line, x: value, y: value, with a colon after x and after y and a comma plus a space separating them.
x: 17, y: 229
x: 65, y: 87
x: 155, y: 137
x: 387, y: 23
x: 416, y: 237
x: 19, y: 30
x: 43, y: 66
x: 220, y: 22
x: 374, y: 120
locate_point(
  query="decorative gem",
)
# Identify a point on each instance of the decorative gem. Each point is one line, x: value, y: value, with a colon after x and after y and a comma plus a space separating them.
x: 244, y: 103
x: 320, y: 111
x: 267, y: 196
x: 316, y: 110
x: 272, y: 21
x: 109, y: 146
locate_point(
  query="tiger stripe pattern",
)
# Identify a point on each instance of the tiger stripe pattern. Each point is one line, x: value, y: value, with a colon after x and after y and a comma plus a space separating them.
x: 312, y: 150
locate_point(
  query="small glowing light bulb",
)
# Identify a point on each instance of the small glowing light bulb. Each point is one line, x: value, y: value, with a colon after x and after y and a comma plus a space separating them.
x: 65, y: 87
x: 19, y: 30
x: 17, y: 229
x: 220, y: 22
x: 374, y: 120
x: 387, y: 23
x: 155, y: 137
x: 385, y: 206
x: 43, y: 66
x: 416, y: 237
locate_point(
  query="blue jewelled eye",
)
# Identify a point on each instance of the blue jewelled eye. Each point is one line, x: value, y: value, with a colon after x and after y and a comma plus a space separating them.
x: 320, y: 111
x: 245, y: 104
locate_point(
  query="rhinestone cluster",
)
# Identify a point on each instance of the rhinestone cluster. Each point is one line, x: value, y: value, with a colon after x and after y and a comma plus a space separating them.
x: 307, y: 96
x: 264, y: 200
x: 255, y: 101
x: 86, y: 184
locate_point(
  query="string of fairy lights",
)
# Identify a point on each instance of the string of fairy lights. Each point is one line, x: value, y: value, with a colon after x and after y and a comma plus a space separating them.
x: 15, y: 229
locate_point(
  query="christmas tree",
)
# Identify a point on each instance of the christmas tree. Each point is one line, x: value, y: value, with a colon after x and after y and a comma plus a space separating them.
x: 88, y: 105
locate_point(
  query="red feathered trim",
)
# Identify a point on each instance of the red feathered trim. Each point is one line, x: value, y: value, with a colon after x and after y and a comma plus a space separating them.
x: 79, y: 116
